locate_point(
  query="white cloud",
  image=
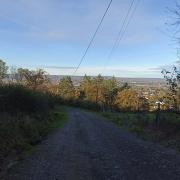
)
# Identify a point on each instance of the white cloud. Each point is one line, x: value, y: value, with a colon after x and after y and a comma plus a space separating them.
x: 118, y: 72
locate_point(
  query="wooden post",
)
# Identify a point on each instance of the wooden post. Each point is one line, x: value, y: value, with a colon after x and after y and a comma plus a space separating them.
x: 158, y: 114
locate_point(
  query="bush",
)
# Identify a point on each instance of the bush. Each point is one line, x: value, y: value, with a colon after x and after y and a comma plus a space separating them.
x: 25, y: 116
x: 18, y: 133
x: 16, y: 98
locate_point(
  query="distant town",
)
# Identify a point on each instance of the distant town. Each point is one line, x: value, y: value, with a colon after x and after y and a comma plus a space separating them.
x: 152, y: 82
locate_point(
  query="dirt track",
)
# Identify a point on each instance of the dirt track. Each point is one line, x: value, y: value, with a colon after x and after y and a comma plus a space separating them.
x: 89, y: 148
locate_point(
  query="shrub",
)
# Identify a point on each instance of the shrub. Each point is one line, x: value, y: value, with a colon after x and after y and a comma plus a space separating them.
x: 25, y: 116
x: 16, y: 98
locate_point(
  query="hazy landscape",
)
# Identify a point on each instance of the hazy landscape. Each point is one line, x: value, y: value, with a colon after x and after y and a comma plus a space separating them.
x: 104, y: 104
x: 133, y: 81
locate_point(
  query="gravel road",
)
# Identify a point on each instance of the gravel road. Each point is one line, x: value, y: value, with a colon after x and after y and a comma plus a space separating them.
x: 89, y: 148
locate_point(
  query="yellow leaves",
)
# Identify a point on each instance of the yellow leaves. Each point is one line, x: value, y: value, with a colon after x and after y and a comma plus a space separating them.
x: 128, y: 100
x: 66, y: 88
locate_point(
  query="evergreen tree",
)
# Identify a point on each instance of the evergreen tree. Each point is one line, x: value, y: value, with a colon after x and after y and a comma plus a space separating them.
x: 66, y: 88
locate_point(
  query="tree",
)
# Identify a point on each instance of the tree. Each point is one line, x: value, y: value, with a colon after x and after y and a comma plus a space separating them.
x: 3, y: 70
x: 14, y: 75
x: 99, y: 91
x: 13, y: 72
x: 66, y: 88
x: 85, y: 88
x: 129, y: 99
x: 20, y: 78
x: 143, y: 104
x: 92, y: 89
x: 33, y: 79
x: 98, y: 88
x: 173, y: 77
x: 173, y: 81
x: 110, y: 89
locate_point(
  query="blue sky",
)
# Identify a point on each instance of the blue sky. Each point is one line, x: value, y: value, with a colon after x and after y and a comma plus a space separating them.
x: 56, y: 32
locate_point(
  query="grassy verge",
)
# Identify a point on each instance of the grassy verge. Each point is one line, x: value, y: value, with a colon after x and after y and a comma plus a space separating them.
x: 144, y: 125
x: 59, y: 119
x: 18, y: 134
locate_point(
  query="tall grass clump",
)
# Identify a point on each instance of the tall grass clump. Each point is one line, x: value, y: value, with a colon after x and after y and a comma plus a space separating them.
x: 25, y: 116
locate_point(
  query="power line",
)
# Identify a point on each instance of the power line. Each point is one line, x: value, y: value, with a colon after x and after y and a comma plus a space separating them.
x: 119, y: 34
x: 124, y: 27
x: 93, y: 37
x: 131, y: 16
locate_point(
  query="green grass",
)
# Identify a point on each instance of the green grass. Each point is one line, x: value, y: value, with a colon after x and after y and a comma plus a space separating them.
x: 20, y: 133
x: 59, y: 119
x: 143, y: 125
